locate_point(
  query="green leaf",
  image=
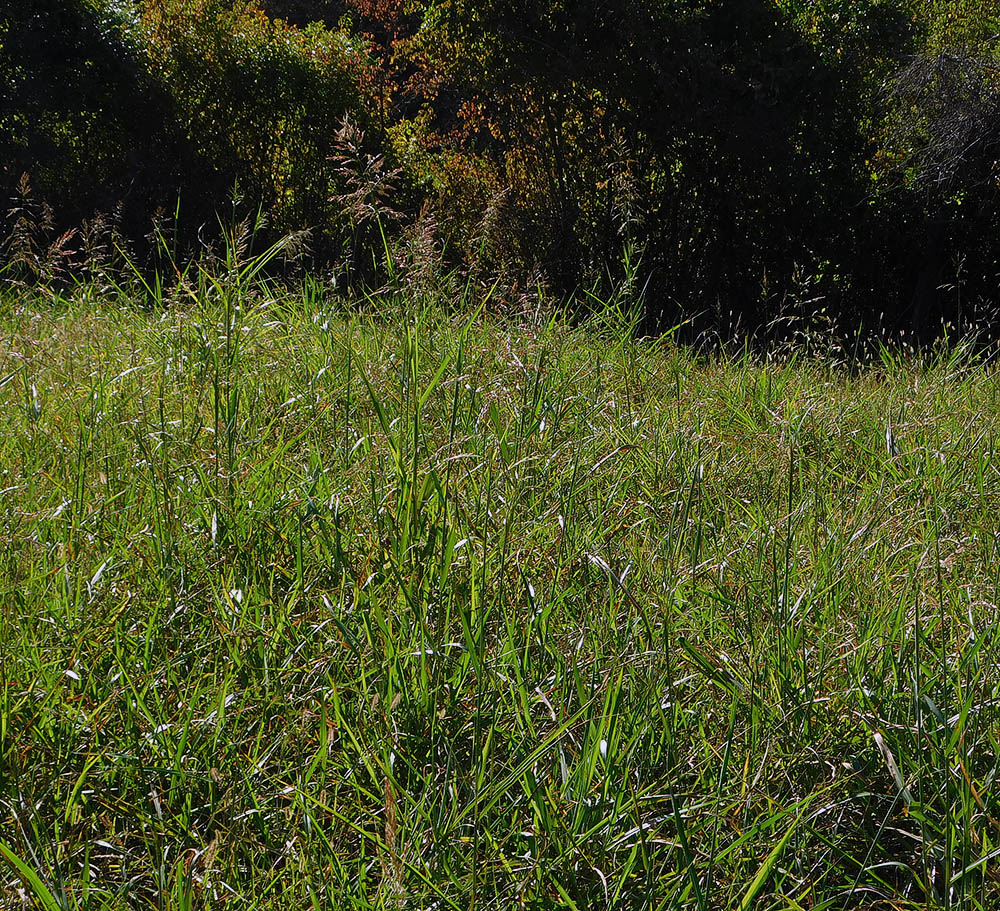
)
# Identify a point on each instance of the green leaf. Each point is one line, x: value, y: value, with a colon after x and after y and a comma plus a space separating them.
x: 771, y: 860
x: 30, y: 879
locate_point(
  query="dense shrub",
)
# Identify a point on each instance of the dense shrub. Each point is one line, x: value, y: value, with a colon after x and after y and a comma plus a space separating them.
x: 82, y: 114
x: 259, y: 101
x: 133, y: 106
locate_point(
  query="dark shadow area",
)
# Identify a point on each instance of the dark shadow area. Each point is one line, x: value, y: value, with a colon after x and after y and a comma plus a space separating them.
x: 83, y: 120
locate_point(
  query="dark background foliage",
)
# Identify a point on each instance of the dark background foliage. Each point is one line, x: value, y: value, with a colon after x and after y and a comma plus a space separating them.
x: 81, y: 115
x: 744, y: 161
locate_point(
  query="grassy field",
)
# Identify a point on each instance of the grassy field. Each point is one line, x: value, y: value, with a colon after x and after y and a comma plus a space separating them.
x: 307, y: 608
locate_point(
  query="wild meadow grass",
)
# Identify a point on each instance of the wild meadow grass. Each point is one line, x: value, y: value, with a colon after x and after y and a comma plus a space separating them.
x: 304, y: 606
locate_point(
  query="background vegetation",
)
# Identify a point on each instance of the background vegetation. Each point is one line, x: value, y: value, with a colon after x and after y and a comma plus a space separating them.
x: 741, y: 162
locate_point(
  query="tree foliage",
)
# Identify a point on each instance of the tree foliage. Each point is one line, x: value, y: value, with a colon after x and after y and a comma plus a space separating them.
x: 737, y: 158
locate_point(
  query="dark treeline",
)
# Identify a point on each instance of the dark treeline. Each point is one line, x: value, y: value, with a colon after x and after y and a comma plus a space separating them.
x: 743, y: 160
